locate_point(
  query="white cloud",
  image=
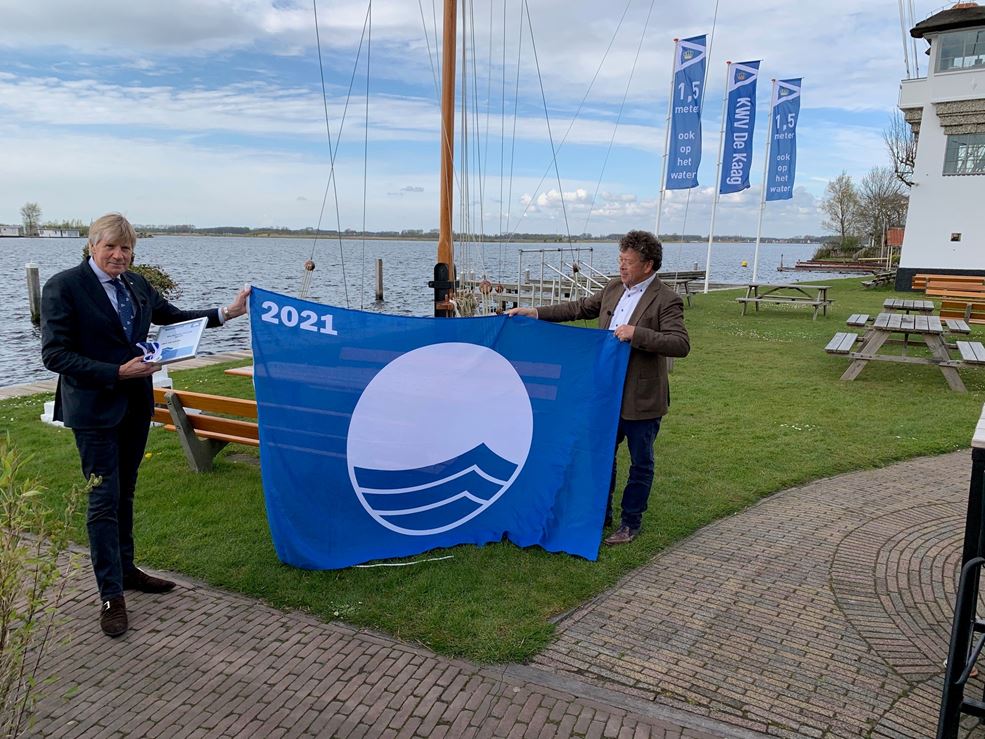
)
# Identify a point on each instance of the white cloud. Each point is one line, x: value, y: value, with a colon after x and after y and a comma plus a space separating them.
x: 203, y: 145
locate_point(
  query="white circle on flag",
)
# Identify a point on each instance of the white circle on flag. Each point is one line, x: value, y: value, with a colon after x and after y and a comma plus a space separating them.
x: 437, y: 436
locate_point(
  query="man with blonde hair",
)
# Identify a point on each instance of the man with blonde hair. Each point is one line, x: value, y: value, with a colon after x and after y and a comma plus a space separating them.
x: 92, y: 317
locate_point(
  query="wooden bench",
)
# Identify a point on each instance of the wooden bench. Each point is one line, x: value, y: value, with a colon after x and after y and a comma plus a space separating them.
x: 786, y: 300
x: 880, y: 278
x: 954, y: 289
x: 841, y: 343
x: 920, y: 281
x: 201, y: 432
x: 972, y: 352
x: 957, y: 326
x: 971, y: 311
x: 682, y: 287
x: 858, y: 319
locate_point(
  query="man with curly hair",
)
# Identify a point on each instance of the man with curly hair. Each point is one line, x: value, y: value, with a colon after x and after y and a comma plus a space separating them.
x: 640, y: 309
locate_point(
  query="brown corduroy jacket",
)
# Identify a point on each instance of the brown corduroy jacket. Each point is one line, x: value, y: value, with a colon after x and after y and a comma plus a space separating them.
x: 660, y: 333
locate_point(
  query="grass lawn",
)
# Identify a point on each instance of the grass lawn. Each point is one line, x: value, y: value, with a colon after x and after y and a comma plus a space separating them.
x: 757, y: 407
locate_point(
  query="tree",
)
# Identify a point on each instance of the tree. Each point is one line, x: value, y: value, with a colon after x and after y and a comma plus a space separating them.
x: 902, y: 145
x: 841, y: 206
x: 31, y: 216
x: 882, y: 203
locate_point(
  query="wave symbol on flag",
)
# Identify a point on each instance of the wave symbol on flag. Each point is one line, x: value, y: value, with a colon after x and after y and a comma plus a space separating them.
x: 420, y: 470
x: 431, y: 497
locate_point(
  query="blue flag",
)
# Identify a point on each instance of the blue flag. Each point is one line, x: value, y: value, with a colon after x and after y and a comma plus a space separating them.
x: 740, y: 122
x: 785, y: 111
x: 386, y: 436
x: 684, y: 154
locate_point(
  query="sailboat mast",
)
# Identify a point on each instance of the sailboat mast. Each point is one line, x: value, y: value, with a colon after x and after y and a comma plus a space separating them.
x: 444, y: 270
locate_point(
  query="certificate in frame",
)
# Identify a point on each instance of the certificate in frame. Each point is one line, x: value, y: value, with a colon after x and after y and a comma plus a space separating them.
x: 175, y: 342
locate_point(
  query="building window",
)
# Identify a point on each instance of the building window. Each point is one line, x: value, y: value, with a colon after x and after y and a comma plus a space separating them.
x: 965, y: 154
x: 961, y: 50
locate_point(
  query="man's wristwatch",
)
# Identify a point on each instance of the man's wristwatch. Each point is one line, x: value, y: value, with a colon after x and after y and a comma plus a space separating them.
x: 225, y: 313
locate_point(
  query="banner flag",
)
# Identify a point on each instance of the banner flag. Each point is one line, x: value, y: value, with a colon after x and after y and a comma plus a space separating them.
x: 740, y: 122
x: 685, y: 119
x: 785, y: 111
x: 386, y: 436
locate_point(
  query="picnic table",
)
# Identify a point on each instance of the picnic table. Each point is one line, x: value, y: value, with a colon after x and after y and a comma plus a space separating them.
x: 908, y: 306
x: 880, y: 333
x: 815, y: 296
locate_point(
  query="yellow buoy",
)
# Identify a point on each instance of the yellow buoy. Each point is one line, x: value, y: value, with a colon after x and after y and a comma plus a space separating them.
x: 745, y: 263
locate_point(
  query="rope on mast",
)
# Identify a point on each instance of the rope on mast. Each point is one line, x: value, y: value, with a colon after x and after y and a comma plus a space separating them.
x: 369, y: 51
x: 622, y: 105
x: 332, y: 150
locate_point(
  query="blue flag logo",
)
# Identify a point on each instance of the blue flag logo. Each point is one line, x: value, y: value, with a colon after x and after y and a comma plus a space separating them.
x: 740, y: 124
x: 386, y: 436
x: 784, y: 115
x: 428, y: 489
x: 684, y: 153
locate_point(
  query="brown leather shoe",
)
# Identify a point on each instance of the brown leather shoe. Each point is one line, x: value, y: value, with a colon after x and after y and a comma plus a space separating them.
x: 139, y: 580
x: 623, y: 535
x: 113, y: 617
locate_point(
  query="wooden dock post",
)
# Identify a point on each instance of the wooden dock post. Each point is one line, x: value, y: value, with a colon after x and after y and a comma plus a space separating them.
x: 379, y: 280
x: 34, y: 291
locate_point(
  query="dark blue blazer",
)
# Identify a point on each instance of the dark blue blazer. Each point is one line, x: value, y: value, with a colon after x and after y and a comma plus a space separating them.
x: 83, y: 341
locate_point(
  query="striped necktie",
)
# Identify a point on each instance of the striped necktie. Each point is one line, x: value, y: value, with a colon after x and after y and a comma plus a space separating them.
x: 125, y: 306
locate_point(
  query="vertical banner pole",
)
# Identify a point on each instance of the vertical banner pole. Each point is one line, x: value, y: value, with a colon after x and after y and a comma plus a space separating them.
x: 762, y: 195
x: 718, y: 176
x: 663, y: 171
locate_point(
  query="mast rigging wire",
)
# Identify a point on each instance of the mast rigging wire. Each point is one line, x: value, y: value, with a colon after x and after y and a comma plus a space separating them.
x: 588, y: 91
x: 547, y: 117
x: 369, y: 51
x: 622, y: 105
x: 332, y: 150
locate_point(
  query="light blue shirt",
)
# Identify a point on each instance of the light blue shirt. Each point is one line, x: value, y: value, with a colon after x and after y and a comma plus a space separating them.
x: 628, y: 302
x: 107, y: 282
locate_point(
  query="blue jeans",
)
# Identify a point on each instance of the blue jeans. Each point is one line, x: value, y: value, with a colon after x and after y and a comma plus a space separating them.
x: 639, y: 436
x: 114, y: 454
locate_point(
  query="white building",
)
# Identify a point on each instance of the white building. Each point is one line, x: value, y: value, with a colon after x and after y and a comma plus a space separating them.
x: 58, y: 233
x: 945, y: 227
x: 10, y: 230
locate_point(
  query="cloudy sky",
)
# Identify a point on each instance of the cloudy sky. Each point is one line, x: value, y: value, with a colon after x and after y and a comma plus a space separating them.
x: 210, y: 112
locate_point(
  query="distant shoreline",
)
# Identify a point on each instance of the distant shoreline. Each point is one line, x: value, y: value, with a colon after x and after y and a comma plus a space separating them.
x: 517, y: 239
x: 529, y: 239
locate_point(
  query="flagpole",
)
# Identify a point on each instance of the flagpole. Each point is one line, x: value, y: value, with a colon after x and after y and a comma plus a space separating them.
x: 670, y: 108
x: 718, y: 176
x: 766, y: 170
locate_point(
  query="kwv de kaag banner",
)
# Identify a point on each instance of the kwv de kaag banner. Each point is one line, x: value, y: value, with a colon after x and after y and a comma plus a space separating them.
x: 740, y: 124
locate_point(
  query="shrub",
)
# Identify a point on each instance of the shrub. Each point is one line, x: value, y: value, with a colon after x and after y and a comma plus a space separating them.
x: 156, y: 276
x: 35, y: 566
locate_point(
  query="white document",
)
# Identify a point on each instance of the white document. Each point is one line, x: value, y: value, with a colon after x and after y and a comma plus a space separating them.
x: 175, y: 342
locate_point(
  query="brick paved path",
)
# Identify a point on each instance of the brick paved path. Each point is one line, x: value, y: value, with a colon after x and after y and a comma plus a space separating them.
x: 203, y: 663
x: 820, y: 612
x: 824, y: 610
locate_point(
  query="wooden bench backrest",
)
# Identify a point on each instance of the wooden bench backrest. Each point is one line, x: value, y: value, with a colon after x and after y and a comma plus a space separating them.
x: 971, y: 310
x: 920, y: 281
x: 210, y: 403
x: 958, y: 294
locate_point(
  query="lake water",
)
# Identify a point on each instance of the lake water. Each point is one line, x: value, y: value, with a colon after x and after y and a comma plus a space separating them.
x: 210, y: 270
